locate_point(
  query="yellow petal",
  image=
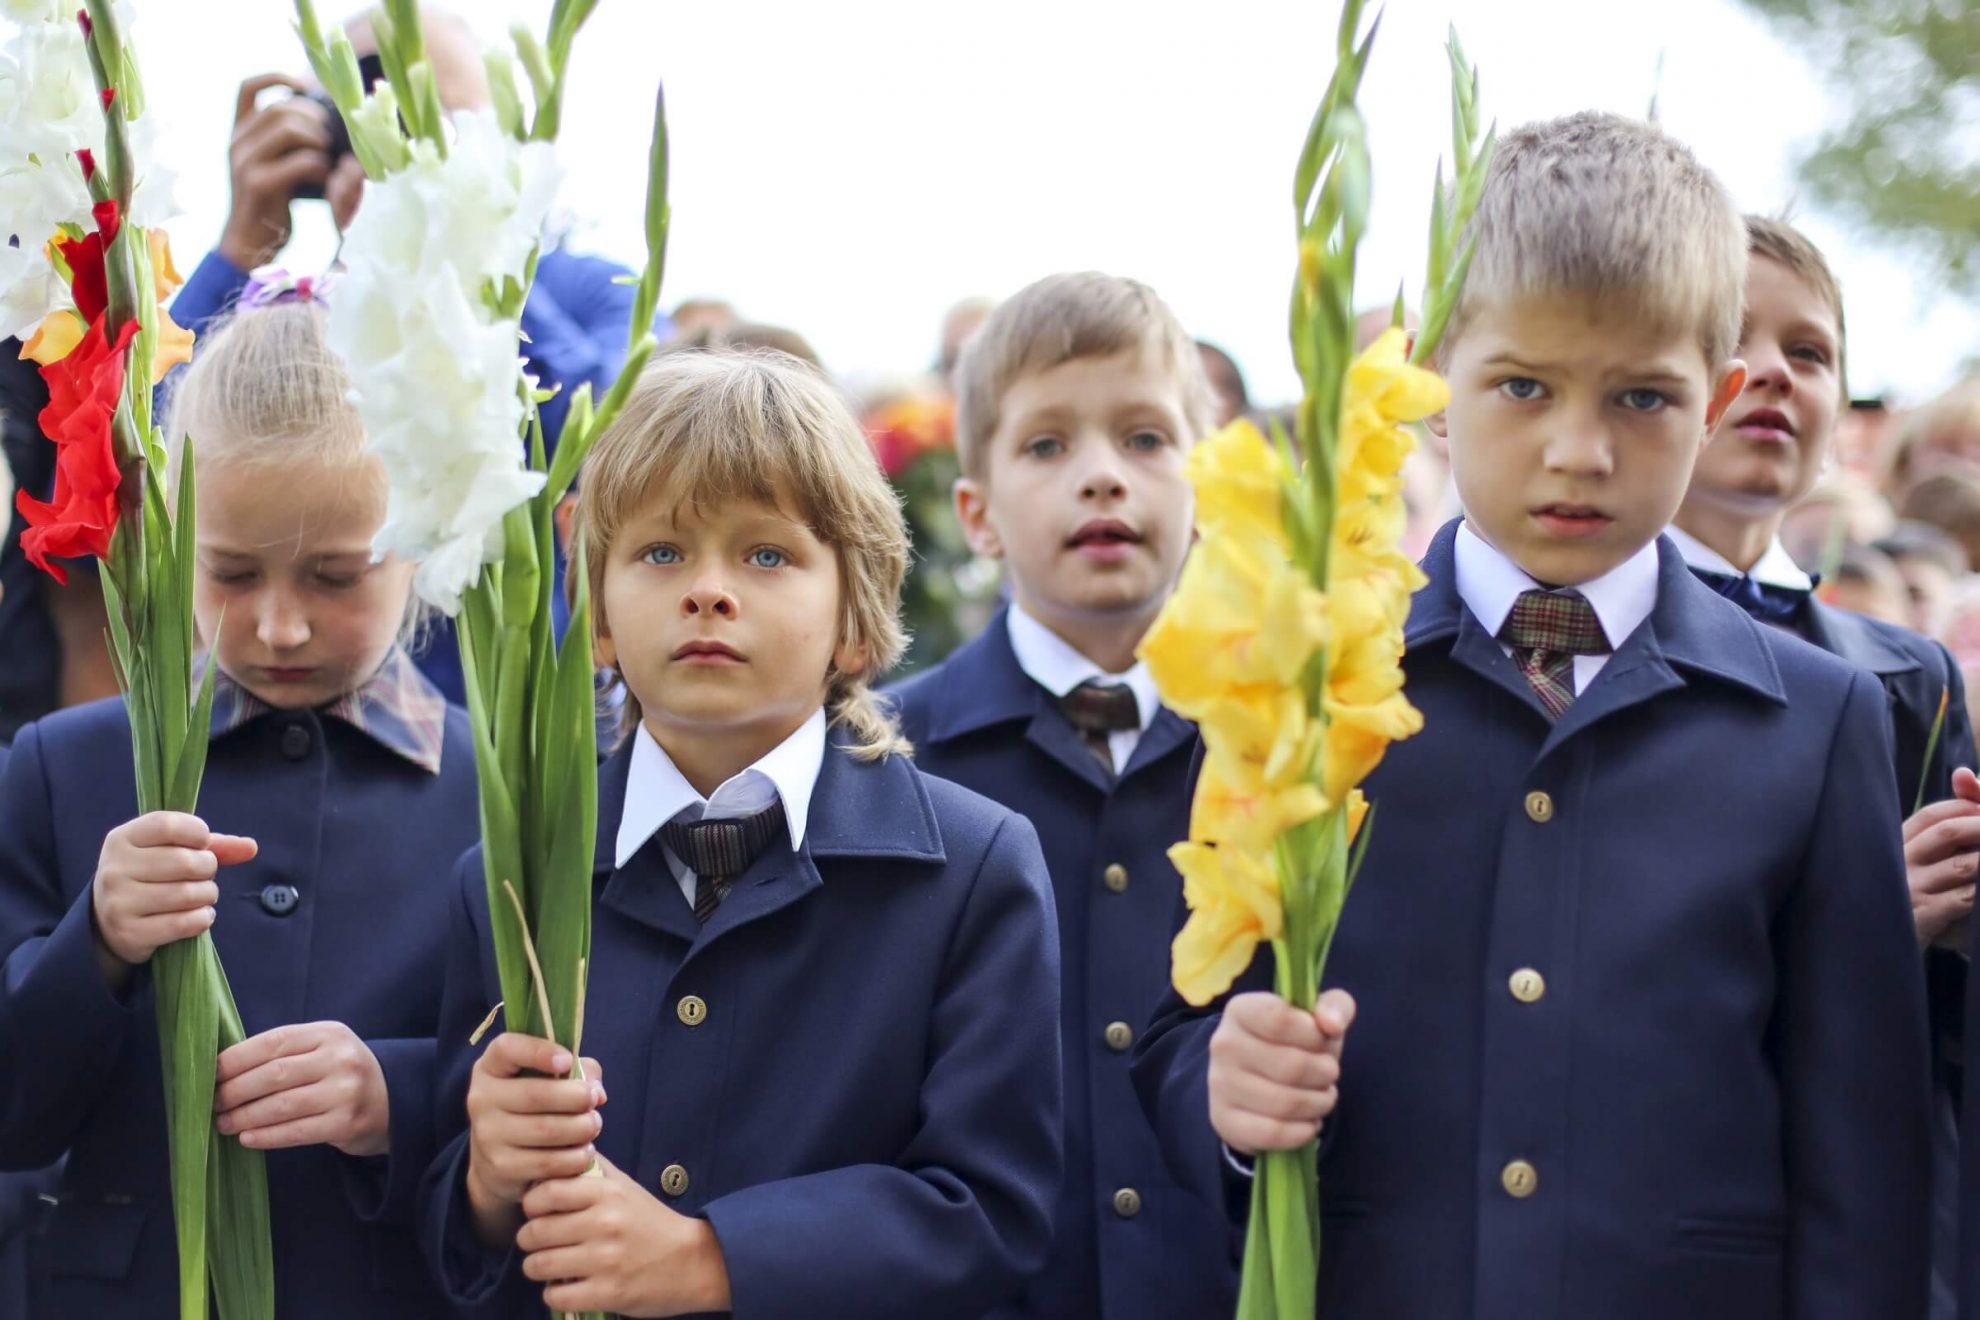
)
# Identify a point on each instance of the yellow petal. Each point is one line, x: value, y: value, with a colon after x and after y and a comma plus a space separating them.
x: 175, y: 345
x: 53, y: 340
x: 1383, y: 378
x: 165, y: 276
x: 1233, y: 896
x: 1240, y: 482
x: 1357, y: 811
x: 1240, y: 616
x: 1237, y: 806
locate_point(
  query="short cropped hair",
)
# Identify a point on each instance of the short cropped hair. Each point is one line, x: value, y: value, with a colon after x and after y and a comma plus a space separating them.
x: 1782, y: 243
x: 708, y: 428
x: 1060, y: 319
x: 1610, y: 210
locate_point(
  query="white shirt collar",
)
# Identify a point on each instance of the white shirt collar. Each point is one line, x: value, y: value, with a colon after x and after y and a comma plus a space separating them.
x: 656, y: 790
x: 1488, y: 582
x: 1055, y: 665
x: 1776, y: 567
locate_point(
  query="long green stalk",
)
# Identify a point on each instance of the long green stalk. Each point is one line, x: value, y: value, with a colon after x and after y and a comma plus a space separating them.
x: 219, y: 1189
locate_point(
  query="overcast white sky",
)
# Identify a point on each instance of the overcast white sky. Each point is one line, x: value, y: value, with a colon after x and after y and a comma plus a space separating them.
x: 850, y: 169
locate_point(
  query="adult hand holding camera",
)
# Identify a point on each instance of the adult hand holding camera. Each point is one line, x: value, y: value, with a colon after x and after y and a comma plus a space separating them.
x: 277, y: 149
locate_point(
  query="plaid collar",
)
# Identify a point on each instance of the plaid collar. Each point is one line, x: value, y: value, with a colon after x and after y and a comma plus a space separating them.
x: 397, y: 707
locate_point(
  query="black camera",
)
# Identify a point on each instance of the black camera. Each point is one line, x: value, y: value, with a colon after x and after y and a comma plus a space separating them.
x: 371, y: 72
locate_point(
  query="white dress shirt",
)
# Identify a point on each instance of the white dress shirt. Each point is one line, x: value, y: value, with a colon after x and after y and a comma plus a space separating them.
x: 1489, y: 583
x: 657, y: 792
x: 1055, y: 665
x: 1775, y: 569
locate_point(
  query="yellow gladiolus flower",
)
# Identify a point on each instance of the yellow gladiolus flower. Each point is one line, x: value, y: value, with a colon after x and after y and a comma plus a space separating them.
x: 1237, y: 806
x: 1383, y: 378
x: 1240, y: 481
x: 1234, y: 905
x: 1240, y: 617
x: 1267, y: 730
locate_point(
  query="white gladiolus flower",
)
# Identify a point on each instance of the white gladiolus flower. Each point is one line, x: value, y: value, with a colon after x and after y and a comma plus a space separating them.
x: 49, y: 111
x: 435, y: 373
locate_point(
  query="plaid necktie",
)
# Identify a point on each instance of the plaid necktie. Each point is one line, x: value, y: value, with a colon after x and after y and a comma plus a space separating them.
x: 1097, y: 711
x: 1546, y: 631
x: 719, y: 851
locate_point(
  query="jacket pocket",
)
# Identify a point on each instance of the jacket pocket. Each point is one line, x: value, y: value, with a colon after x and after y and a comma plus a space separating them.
x: 91, y: 1240
x: 1732, y: 1235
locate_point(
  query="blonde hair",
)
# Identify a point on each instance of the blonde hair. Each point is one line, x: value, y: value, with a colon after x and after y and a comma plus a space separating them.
x: 1060, y: 319
x: 264, y: 387
x: 1609, y: 210
x: 711, y: 428
x: 1789, y: 248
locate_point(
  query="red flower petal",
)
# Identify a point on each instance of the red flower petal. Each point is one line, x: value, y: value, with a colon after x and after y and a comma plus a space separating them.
x: 88, y: 159
x: 84, y: 389
x: 88, y: 284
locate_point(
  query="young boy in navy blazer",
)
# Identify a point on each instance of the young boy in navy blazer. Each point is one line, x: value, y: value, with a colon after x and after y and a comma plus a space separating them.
x: 823, y: 987
x: 1640, y: 1027
x: 1077, y: 403
x: 1763, y: 460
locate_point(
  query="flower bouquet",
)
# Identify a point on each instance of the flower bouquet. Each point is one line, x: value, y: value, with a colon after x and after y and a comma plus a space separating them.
x: 438, y: 264
x: 1284, y: 638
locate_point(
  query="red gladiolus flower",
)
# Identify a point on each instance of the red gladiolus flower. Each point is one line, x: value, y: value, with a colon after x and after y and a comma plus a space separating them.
x: 88, y: 159
x: 83, y: 391
x: 108, y: 94
x: 87, y: 282
x: 82, y: 17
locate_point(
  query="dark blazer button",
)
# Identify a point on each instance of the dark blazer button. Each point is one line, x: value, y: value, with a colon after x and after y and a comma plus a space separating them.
x: 280, y: 900
x: 296, y: 742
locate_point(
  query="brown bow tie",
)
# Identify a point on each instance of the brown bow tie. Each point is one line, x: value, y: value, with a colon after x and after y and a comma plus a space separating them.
x: 1099, y: 710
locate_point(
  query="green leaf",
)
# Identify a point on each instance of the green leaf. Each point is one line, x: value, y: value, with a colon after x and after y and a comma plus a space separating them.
x: 500, y: 856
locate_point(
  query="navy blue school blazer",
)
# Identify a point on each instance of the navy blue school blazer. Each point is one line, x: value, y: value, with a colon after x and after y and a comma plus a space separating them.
x: 1130, y: 1241
x: 1642, y: 1028
x: 342, y: 916
x: 852, y: 1071
x: 1916, y: 673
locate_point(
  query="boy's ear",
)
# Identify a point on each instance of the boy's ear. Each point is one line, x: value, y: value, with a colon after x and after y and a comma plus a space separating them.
x: 1436, y: 425
x: 1732, y: 380
x: 853, y: 656
x: 973, y: 512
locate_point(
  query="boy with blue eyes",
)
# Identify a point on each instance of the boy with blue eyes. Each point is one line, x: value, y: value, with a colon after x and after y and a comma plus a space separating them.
x: 1639, y: 1025
x: 823, y: 986
x: 1077, y: 403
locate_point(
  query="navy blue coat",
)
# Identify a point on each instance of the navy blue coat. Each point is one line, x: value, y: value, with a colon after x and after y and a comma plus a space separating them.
x: 367, y: 841
x: 1722, y: 1087
x: 866, y: 1099
x: 980, y: 720
x: 1916, y: 671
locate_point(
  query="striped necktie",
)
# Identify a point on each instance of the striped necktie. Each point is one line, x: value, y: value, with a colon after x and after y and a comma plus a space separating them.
x: 719, y: 851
